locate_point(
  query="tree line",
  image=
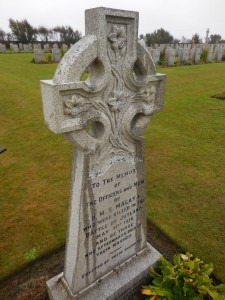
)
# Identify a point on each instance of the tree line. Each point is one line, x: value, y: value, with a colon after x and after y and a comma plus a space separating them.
x: 161, y: 36
x: 22, y: 31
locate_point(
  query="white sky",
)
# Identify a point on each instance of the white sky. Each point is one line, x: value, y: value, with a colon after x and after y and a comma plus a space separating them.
x: 179, y: 17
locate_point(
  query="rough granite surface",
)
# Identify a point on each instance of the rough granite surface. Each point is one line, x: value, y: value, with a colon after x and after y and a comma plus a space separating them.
x: 104, y: 118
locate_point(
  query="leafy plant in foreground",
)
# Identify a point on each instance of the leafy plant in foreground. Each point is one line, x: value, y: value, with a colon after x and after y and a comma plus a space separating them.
x: 186, y: 279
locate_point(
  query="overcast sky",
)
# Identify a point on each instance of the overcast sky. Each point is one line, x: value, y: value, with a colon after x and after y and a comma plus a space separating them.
x: 179, y: 17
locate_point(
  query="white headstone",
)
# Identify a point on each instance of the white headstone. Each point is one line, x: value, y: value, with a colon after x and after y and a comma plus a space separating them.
x: 2, y: 48
x: 37, y: 46
x: 169, y: 57
x: 156, y: 55
x: 184, y: 55
x: 15, y: 48
x: 197, y: 55
x: 25, y: 48
x: 65, y: 48
x: 47, y: 48
x: 56, y: 54
x: 107, y: 254
x: 177, y: 47
x: 210, y: 55
x: 218, y: 53
x: 192, y: 54
x: 38, y: 56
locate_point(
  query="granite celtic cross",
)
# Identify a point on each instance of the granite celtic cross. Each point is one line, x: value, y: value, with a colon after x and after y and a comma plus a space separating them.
x: 104, y: 118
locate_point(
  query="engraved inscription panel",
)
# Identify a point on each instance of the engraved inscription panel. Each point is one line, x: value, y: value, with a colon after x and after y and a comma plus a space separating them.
x: 113, y: 224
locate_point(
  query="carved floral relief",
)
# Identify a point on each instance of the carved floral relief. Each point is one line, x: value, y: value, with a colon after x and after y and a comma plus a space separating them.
x: 117, y: 38
x: 117, y: 98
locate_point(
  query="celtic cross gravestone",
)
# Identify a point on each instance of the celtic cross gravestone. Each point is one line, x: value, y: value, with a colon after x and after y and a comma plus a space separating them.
x: 104, y: 117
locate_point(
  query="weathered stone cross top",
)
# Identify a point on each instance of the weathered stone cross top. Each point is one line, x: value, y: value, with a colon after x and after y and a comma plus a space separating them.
x: 104, y: 117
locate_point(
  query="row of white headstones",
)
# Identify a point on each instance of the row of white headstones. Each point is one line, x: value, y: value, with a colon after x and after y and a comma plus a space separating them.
x: 184, y: 54
x: 188, y: 54
x: 31, y: 47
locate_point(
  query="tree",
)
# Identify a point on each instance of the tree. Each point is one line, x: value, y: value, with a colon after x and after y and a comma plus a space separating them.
x: 215, y: 38
x: 22, y: 30
x: 176, y: 41
x: 2, y: 34
x: 43, y: 33
x: 67, y: 35
x: 196, y: 39
x: 160, y: 36
x: 10, y: 37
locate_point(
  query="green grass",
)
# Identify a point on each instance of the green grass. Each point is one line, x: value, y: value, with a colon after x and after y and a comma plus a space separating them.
x: 185, y: 158
x: 35, y: 169
x: 185, y: 165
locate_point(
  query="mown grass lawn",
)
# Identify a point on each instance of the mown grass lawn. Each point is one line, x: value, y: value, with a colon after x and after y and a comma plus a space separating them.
x: 185, y: 165
x: 186, y: 162
x: 35, y: 169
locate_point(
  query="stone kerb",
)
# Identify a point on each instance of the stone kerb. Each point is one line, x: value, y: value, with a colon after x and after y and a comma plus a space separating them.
x: 106, y: 252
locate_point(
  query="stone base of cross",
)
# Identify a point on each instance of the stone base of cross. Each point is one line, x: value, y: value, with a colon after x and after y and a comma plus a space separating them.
x: 120, y: 283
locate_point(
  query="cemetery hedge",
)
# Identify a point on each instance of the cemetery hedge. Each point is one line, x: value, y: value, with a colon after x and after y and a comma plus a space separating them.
x: 184, y: 158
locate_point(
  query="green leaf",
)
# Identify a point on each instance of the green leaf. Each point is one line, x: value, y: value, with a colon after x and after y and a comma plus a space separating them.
x: 220, y: 287
x: 154, y: 274
x: 157, y: 281
x: 177, y: 259
x: 178, y: 292
x: 214, y: 295
x: 163, y: 292
x: 187, y: 279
